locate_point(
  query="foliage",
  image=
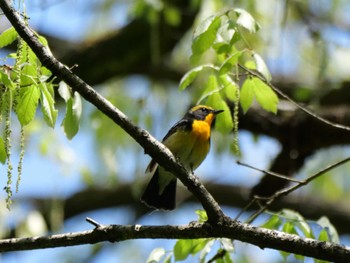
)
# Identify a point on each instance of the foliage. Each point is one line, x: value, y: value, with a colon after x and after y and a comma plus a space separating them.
x: 23, y: 88
x: 292, y: 222
x: 221, y: 39
x: 184, y: 248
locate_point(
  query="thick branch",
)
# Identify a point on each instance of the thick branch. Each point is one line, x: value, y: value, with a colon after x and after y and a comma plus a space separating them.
x: 154, y: 148
x: 263, y: 238
x: 85, y: 201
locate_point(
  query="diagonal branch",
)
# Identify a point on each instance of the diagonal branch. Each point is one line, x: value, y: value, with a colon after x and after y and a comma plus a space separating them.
x: 286, y: 191
x: 151, y: 146
x: 264, y: 238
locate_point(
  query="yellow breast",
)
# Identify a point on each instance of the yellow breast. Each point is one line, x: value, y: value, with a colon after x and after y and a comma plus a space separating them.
x: 201, y: 130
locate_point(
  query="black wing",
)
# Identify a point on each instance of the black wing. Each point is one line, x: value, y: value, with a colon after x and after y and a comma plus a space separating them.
x: 182, y: 125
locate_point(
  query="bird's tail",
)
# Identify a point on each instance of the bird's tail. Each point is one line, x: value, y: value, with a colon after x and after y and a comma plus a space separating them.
x: 166, y: 200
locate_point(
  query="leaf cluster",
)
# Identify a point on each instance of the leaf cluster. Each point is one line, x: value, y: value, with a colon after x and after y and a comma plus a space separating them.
x: 292, y: 222
x: 219, y: 47
x: 24, y: 88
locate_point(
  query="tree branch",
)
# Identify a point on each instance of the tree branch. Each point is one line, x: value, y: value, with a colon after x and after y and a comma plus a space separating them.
x: 286, y: 191
x: 264, y: 238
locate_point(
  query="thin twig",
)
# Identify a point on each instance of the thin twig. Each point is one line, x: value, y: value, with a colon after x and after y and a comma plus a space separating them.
x: 270, y: 173
x: 93, y: 222
x: 290, y: 189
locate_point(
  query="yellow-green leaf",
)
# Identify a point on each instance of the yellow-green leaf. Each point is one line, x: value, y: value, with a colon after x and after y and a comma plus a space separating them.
x: 254, y: 88
x: 205, y: 36
x: 71, y: 121
x: 190, y: 76
x: 48, y: 105
x: 7, y: 37
x: 27, y: 104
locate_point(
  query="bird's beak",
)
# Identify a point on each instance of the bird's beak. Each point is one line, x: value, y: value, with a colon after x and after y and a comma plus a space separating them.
x: 216, y: 112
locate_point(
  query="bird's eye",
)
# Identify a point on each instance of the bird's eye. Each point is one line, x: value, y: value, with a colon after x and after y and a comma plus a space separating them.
x: 205, y: 110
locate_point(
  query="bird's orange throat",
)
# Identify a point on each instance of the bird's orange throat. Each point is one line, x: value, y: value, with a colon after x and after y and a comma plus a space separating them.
x: 201, y: 129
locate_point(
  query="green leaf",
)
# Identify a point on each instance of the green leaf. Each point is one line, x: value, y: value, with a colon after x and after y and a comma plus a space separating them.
x: 227, y: 258
x: 64, y: 91
x: 226, y: 31
x: 323, y: 236
x: 8, y: 37
x: 261, y: 67
x: 48, y: 105
x: 229, y: 87
x: 206, y: 250
x: 185, y: 247
x: 71, y: 120
x: 247, y: 95
x: 204, y: 36
x: 227, y: 244
x: 3, y: 155
x: 298, y: 221
x: 289, y: 228
x: 190, y: 76
x: 182, y: 249
x: 328, y: 226
x: 224, y: 122
x: 246, y: 20
x: 265, y: 96
x: 202, y: 216
x: 229, y: 63
x: 274, y: 222
x: 6, y: 80
x: 27, y: 104
x: 156, y: 255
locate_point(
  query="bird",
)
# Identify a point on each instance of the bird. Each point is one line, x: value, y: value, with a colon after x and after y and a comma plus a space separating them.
x: 189, y: 142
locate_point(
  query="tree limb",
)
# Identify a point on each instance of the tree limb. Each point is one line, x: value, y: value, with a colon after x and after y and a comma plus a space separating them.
x: 264, y: 238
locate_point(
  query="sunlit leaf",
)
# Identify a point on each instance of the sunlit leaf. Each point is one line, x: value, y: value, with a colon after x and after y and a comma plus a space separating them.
x: 274, y: 222
x: 227, y: 244
x: 331, y: 230
x: 224, y: 122
x: 229, y: 63
x: 48, y: 105
x: 205, y: 36
x: 247, y: 95
x: 289, y: 228
x: 211, y: 87
x: 156, y: 255
x: 27, y: 104
x: 202, y: 216
x: 185, y: 247
x: 8, y: 37
x: 206, y: 250
x: 246, y: 20
x: 190, y: 76
x: 265, y: 96
x: 71, y: 120
x: 298, y: 220
x: 323, y: 236
x: 64, y: 91
x: 229, y: 87
x: 6, y: 80
x: 261, y: 67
